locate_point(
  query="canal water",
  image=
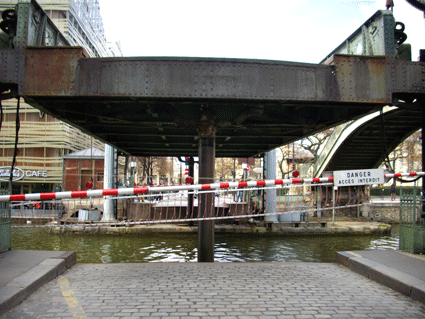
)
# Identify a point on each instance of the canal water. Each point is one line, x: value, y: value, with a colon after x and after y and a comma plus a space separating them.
x: 165, y: 247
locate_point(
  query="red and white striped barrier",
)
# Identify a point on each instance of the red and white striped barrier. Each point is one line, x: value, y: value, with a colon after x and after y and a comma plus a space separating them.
x: 404, y: 174
x: 156, y: 189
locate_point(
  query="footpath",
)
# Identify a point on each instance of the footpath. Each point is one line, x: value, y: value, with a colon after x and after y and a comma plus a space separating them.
x: 50, y: 284
x: 45, y: 284
x: 25, y: 271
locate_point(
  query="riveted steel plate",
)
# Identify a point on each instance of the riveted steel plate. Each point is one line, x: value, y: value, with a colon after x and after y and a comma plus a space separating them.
x: 204, y: 78
x: 51, y: 70
x: 8, y: 68
x: 363, y: 79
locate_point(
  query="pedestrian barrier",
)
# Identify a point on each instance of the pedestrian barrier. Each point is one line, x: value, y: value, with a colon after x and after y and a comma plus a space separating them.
x: 293, y: 200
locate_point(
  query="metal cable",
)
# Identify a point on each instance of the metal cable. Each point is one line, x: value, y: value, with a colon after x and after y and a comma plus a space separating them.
x: 1, y: 115
x: 15, y: 151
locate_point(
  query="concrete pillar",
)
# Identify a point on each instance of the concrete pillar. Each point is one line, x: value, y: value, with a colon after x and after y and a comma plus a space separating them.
x: 108, y: 174
x: 270, y: 173
x: 206, y: 200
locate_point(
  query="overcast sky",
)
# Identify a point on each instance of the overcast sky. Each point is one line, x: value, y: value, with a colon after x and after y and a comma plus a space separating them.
x: 289, y: 30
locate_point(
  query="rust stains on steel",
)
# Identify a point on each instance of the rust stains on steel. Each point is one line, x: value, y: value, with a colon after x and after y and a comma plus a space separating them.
x: 50, y: 71
x: 376, y: 78
x: 60, y: 71
x: 362, y: 79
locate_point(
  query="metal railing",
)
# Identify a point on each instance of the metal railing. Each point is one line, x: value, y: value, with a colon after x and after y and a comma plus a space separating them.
x: 294, y: 203
x: 412, y: 226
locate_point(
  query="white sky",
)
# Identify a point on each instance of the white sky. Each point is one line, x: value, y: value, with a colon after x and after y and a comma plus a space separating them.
x: 289, y: 30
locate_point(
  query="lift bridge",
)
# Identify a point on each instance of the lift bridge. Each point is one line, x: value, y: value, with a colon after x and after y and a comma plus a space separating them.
x: 206, y: 107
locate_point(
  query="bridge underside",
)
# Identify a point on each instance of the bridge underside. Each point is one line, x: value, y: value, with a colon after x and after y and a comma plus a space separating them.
x: 158, y: 106
x: 169, y: 127
x: 369, y: 145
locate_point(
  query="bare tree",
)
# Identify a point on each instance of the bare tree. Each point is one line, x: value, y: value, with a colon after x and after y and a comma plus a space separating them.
x: 408, y: 153
x: 163, y: 167
x: 282, y: 163
x: 314, y: 143
x: 147, y: 166
x: 413, y: 148
x: 292, y: 155
x: 224, y: 168
x: 306, y: 150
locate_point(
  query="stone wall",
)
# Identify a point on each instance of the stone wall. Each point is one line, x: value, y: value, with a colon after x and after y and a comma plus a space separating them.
x: 378, y: 211
x: 385, y: 212
x: 388, y: 212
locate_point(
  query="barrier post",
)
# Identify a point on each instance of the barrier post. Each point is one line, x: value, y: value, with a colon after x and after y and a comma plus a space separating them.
x: 334, y: 189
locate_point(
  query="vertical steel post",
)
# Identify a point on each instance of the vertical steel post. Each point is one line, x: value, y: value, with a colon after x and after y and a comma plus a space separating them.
x: 334, y: 190
x: 206, y: 207
x: 108, y: 174
x: 270, y: 173
x: 191, y: 164
x: 422, y: 105
x: 319, y: 202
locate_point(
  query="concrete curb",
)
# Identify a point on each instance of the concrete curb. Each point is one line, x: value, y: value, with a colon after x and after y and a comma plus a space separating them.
x: 24, y: 285
x: 397, y: 280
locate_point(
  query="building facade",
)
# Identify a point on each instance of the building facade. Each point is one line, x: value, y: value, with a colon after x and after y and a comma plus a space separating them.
x: 83, y: 170
x: 42, y: 139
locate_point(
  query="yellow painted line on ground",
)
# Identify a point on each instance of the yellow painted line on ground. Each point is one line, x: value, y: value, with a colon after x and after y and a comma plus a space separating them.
x: 71, y: 300
x: 354, y: 254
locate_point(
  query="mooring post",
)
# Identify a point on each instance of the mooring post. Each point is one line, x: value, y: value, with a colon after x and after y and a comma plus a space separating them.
x: 206, y: 207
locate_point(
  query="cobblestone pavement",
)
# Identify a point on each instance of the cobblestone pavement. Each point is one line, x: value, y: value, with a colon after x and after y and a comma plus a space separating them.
x: 215, y: 290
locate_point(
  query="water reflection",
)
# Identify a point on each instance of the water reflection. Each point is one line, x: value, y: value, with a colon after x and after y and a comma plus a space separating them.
x: 183, y: 247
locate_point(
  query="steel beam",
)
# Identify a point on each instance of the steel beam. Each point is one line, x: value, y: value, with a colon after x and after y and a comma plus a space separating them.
x: 65, y: 72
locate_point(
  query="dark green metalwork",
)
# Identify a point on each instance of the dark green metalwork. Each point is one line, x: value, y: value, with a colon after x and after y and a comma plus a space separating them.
x: 412, y: 232
x: 5, y: 224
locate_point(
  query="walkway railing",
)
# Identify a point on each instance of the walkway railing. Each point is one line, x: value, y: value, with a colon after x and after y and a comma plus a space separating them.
x: 296, y: 199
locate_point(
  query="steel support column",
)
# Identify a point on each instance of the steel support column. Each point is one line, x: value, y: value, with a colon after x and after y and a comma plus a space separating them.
x: 191, y: 164
x: 270, y: 173
x: 108, y: 174
x: 421, y: 102
x: 206, y: 199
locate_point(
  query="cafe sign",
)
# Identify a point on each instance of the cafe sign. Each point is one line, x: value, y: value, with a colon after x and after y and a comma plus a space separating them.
x: 19, y: 173
x: 359, y: 177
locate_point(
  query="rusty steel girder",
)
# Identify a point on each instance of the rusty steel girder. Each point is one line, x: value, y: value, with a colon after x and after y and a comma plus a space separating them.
x: 366, y: 79
x: 153, y: 106
x: 65, y: 71
x: 50, y: 71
